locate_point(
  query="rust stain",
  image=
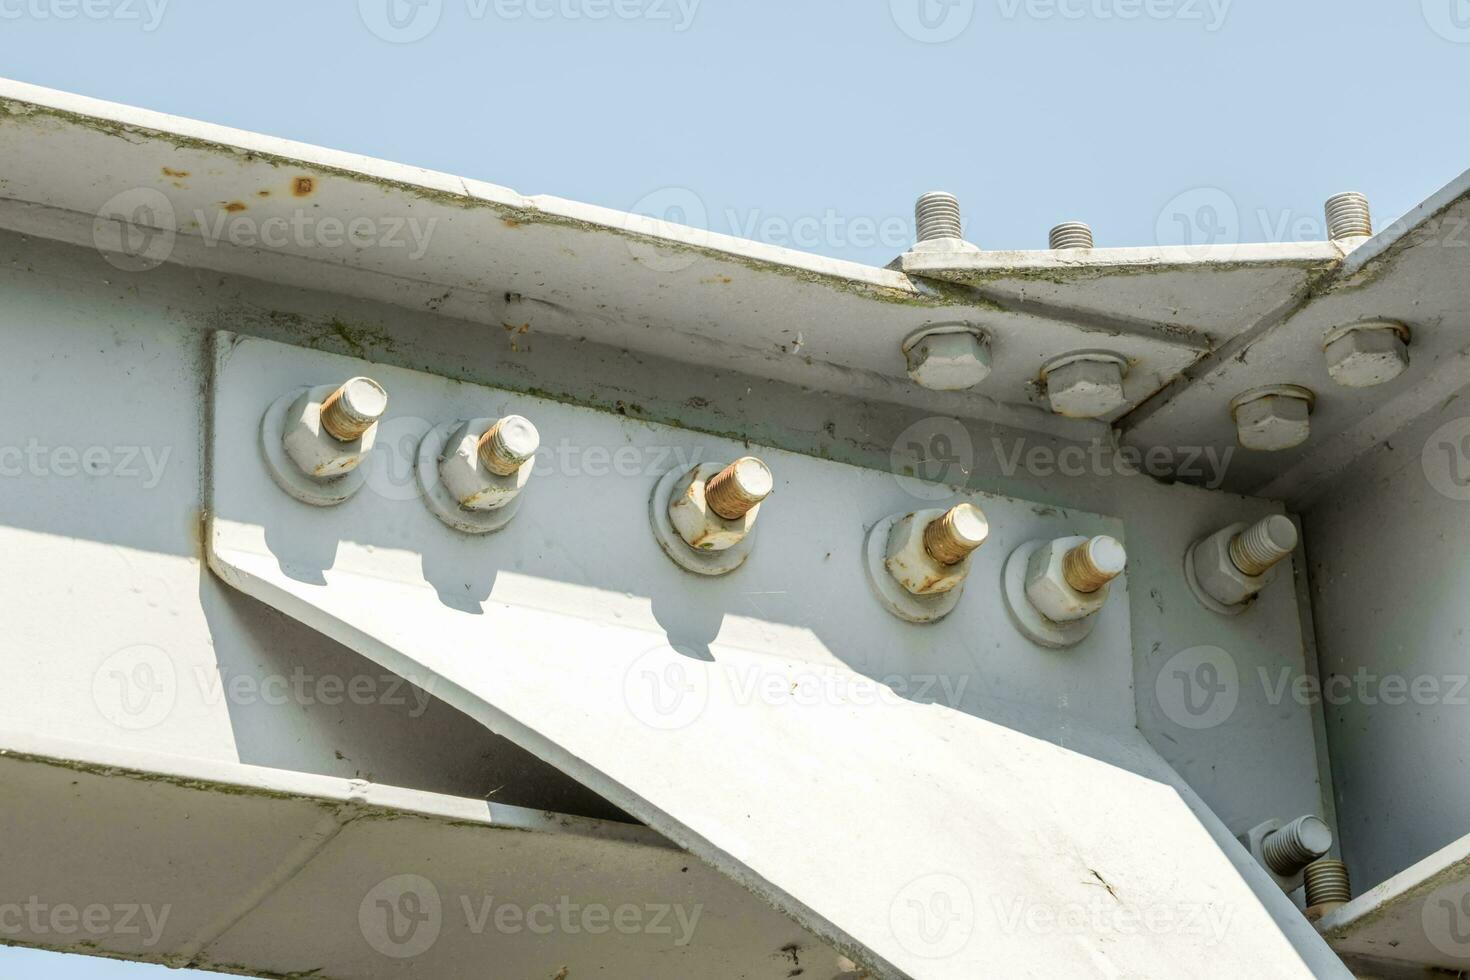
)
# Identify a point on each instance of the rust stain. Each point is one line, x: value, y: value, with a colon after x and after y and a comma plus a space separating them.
x: 510, y: 222
x: 303, y: 186
x: 262, y: 193
x: 234, y: 207
x: 169, y: 172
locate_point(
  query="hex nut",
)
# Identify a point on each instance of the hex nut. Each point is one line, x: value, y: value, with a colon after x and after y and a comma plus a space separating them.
x: 1217, y: 574
x: 948, y: 361
x: 913, y: 567
x: 315, y: 451
x: 1086, y: 387
x: 1048, y: 589
x: 700, y: 527
x: 1272, y: 419
x: 1367, y: 354
x: 469, y: 481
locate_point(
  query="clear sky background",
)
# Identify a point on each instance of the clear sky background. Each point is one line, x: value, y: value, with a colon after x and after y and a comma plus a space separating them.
x: 816, y: 124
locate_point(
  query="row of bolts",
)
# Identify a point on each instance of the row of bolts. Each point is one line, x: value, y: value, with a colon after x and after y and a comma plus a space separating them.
x: 510, y: 443
x: 937, y: 216
x: 1270, y: 418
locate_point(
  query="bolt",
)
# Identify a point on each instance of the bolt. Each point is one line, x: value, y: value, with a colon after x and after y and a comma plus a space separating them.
x: 507, y: 444
x: 1367, y: 353
x: 1274, y: 417
x: 1327, y: 882
x: 353, y: 409
x: 1348, y: 216
x: 1259, y: 547
x: 937, y: 215
x: 1086, y: 385
x: 950, y: 539
x: 1070, y: 234
x: 1092, y: 565
x: 1291, y: 848
x: 738, y: 488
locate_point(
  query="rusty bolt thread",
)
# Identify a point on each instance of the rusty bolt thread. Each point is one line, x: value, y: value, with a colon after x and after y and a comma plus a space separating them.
x: 738, y: 488
x: 937, y: 215
x: 1348, y: 216
x: 1093, y: 564
x: 952, y: 538
x: 1258, y: 548
x: 1327, y: 881
x: 506, y: 445
x: 1070, y: 234
x: 1293, y: 847
x: 354, y: 408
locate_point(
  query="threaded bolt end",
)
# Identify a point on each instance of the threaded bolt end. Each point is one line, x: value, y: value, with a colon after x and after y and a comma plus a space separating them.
x: 738, y: 488
x: 1348, y: 216
x: 1071, y: 234
x: 937, y: 215
x: 1327, y: 881
x: 506, y: 445
x: 1092, y: 565
x: 1293, y: 847
x: 354, y: 408
x: 951, y: 539
x: 1262, y: 545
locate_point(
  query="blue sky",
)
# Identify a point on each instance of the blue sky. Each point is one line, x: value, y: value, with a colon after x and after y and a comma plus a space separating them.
x: 816, y: 124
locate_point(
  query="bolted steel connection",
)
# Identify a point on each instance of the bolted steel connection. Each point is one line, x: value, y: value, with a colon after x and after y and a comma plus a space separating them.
x: 353, y: 409
x: 1092, y: 565
x: 1291, y: 848
x: 1327, y: 883
x: 738, y: 488
x: 937, y: 215
x: 950, y: 539
x: 1262, y: 545
x: 1348, y: 216
x: 507, y: 444
x: 1070, y: 234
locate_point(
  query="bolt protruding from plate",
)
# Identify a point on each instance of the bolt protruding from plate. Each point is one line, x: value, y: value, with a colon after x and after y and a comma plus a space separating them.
x: 507, y: 444
x: 1348, y: 216
x: 1070, y: 234
x: 1262, y: 545
x: 353, y: 409
x: 1092, y: 565
x: 937, y: 215
x: 950, y: 539
x: 738, y: 488
x: 1291, y: 848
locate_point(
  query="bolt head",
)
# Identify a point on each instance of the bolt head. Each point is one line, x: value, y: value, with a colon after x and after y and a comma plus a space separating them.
x: 1048, y: 589
x: 1367, y: 356
x: 910, y: 563
x: 468, y: 480
x: 312, y: 448
x: 1272, y: 423
x: 949, y: 361
x: 701, y: 528
x: 1086, y: 389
